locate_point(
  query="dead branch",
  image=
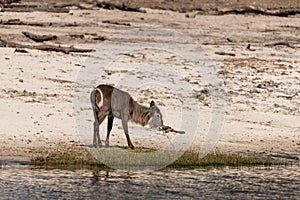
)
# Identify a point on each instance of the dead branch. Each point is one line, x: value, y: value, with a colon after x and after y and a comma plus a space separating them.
x: 44, y: 47
x: 167, y: 129
x: 280, y: 44
x: 287, y: 96
x: 257, y: 10
x: 59, y: 48
x: 119, y: 6
x: 42, y: 24
x: 19, y: 50
x: 224, y: 53
x: 57, y: 7
x: 6, y: 43
x: 282, y: 13
x: 39, y: 38
x: 116, y: 22
x: 23, y: 7
x: 100, y: 38
x: 19, y: 22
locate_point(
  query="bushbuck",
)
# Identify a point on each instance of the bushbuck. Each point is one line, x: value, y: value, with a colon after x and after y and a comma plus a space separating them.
x: 112, y: 102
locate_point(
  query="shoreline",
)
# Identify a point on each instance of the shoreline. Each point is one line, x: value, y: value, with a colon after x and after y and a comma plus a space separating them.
x: 77, y: 156
x: 261, y: 82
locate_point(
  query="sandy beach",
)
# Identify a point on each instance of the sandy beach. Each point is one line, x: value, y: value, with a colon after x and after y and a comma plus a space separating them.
x: 256, y: 56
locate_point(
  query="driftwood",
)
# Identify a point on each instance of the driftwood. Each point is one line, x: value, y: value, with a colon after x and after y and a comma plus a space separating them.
x: 6, y: 43
x: 19, y: 22
x: 23, y: 7
x: 33, y: 8
x: 167, y: 129
x: 48, y: 6
x: 100, y: 38
x: 197, y: 8
x: 288, y: 96
x: 44, y: 47
x: 39, y: 38
x: 120, y: 6
x: 257, y: 10
x: 280, y: 44
x: 21, y: 50
x: 9, y: 1
x: 59, y: 48
x: 116, y: 22
x: 224, y: 53
x: 42, y: 24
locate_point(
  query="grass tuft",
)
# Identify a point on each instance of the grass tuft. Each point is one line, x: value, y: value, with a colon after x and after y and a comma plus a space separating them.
x: 81, y: 157
x: 191, y: 160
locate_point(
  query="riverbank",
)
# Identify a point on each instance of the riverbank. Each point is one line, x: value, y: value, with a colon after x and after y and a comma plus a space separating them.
x: 257, y: 57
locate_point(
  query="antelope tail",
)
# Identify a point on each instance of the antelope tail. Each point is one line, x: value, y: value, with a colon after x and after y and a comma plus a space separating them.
x: 95, y: 99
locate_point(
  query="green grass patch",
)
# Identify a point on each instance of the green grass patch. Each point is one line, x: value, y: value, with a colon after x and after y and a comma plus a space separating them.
x: 80, y: 157
x: 65, y: 156
x: 192, y: 160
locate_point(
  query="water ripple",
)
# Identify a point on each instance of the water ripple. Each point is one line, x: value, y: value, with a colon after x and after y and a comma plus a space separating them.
x: 24, y: 182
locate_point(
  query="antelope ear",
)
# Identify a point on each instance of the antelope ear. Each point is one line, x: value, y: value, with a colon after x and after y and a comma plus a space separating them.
x: 152, y: 103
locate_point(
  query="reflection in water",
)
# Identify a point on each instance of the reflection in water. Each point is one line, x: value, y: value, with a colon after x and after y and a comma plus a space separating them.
x: 24, y: 182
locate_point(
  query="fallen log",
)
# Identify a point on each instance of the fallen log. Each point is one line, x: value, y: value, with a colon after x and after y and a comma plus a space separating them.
x: 44, y: 47
x: 6, y: 43
x: 39, y: 38
x: 256, y: 10
x: 66, y: 50
x: 42, y: 24
x: 19, y: 22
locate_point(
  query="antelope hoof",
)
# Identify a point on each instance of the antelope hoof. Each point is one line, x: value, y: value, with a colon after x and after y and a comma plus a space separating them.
x: 131, y: 146
x: 96, y: 145
x: 107, y: 143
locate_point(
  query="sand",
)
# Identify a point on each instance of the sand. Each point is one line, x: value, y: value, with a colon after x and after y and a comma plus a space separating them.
x: 261, y: 83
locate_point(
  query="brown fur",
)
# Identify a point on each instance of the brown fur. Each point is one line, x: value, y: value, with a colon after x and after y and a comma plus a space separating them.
x: 111, y: 102
x: 140, y: 114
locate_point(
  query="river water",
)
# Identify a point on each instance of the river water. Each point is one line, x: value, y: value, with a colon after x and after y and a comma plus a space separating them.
x: 28, y: 182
